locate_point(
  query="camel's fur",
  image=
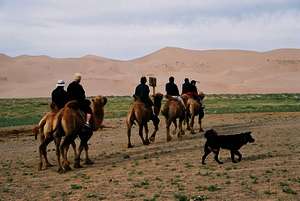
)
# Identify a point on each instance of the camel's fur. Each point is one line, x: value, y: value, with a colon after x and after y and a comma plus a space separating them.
x: 45, y: 129
x: 69, y: 122
x: 194, y: 109
x: 173, y: 110
x: 140, y: 114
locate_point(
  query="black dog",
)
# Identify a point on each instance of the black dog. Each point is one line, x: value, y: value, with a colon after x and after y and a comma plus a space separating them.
x: 232, y: 142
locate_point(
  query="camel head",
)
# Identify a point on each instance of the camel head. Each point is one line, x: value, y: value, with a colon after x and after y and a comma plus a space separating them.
x: 98, y: 110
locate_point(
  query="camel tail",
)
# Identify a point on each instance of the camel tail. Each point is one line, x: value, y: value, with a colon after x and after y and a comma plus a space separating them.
x: 35, y: 131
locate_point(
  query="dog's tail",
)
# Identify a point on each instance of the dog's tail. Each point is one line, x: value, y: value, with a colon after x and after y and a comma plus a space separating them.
x: 210, y: 133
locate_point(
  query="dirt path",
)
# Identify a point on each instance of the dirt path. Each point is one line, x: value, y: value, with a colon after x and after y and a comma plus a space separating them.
x: 270, y: 169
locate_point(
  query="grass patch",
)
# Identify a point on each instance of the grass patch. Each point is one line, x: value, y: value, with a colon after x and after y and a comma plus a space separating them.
x: 18, y: 112
x: 76, y: 186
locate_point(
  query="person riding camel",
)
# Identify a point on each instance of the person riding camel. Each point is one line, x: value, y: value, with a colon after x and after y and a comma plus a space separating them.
x: 142, y: 92
x: 59, y: 96
x: 194, y: 91
x: 186, y: 86
x: 172, y: 90
x: 76, y: 92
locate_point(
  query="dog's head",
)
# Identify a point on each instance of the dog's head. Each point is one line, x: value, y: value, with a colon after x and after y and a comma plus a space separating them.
x: 210, y: 133
x: 248, y: 137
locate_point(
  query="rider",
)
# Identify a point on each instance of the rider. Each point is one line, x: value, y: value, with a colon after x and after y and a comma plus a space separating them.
x: 172, y: 90
x: 76, y: 92
x: 59, y: 96
x: 194, y: 91
x: 142, y: 92
x: 186, y: 86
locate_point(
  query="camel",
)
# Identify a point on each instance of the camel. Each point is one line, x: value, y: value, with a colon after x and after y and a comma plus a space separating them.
x: 195, y: 108
x: 141, y: 114
x: 173, y: 110
x: 69, y: 122
x: 45, y: 129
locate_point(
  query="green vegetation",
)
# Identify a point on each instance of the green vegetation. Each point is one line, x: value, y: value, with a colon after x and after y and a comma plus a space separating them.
x: 15, y: 112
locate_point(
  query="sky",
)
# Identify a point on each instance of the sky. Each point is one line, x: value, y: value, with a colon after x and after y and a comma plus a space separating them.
x: 128, y: 29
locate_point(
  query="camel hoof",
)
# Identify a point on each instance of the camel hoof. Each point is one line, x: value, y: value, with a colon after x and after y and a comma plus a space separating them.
x: 146, y: 142
x: 193, y: 132
x: 88, y: 162
x: 60, y: 170
x: 130, y: 146
x: 152, y: 139
x: 67, y: 167
x: 49, y: 165
x: 77, y: 165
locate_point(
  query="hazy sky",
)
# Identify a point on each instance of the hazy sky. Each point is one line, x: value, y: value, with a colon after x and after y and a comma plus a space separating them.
x: 126, y: 29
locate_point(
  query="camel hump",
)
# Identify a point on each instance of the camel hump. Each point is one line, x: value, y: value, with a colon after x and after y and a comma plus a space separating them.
x: 73, y: 105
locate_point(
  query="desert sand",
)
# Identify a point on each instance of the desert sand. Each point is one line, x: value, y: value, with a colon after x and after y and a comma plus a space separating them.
x: 269, y: 169
x: 218, y: 71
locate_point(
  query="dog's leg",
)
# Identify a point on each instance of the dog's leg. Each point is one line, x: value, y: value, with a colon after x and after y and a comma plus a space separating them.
x: 239, y: 155
x: 216, y: 152
x: 207, y: 151
x: 232, y: 156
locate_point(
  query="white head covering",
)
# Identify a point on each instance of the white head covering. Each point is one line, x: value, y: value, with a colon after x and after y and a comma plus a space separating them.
x: 77, y: 76
x: 60, y: 83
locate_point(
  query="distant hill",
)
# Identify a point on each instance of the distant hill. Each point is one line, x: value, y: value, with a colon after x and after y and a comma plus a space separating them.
x: 219, y: 71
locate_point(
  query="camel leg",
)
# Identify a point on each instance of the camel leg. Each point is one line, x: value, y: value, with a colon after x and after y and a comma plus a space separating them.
x: 47, y: 141
x: 74, y: 148
x: 200, y: 124
x: 192, y: 124
x: 147, y: 133
x: 180, y: 132
x: 168, y: 124
x: 42, y: 139
x: 175, y: 125
x: 77, y: 157
x: 88, y: 161
x: 64, y: 152
x: 155, y: 123
x: 43, y: 151
x: 187, y: 119
x: 57, y: 141
x: 129, y: 125
x: 141, y: 134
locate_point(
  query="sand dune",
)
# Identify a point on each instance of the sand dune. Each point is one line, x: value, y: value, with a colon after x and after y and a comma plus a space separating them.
x: 219, y: 71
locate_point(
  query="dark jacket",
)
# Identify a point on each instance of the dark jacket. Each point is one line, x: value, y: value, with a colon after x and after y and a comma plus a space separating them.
x: 194, y: 89
x: 76, y: 92
x: 142, y: 91
x: 172, y: 89
x: 59, y: 97
x: 186, y: 87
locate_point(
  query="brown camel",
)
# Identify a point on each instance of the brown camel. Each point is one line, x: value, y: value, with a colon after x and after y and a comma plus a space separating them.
x: 195, y: 108
x: 173, y: 110
x: 69, y: 122
x: 45, y: 129
x: 141, y: 114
